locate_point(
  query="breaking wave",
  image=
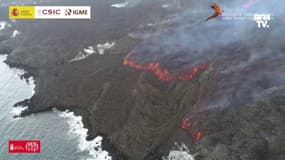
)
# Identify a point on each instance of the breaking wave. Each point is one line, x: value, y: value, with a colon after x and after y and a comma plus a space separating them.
x: 77, y: 129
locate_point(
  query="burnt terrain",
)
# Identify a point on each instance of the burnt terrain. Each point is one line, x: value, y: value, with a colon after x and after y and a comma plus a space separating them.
x: 234, y: 108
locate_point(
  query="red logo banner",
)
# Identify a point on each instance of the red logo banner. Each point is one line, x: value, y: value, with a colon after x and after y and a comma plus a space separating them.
x: 24, y: 146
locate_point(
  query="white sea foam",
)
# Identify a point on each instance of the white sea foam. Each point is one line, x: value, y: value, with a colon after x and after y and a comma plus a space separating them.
x: 15, y: 33
x: 77, y: 129
x: 120, y: 5
x: 102, y: 47
x: 3, y: 25
x: 180, y: 152
x: 18, y: 110
x: 30, y: 81
x: 12, y: 76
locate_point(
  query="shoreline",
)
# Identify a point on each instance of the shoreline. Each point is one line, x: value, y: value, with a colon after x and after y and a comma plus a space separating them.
x: 31, y: 72
x: 17, y: 108
x: 139, y: 116
x: 63, y: 112
x: 106, y: 144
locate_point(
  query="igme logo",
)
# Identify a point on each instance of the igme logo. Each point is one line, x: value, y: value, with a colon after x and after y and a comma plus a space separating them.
x: 69, y: 12
x: 262, y: 20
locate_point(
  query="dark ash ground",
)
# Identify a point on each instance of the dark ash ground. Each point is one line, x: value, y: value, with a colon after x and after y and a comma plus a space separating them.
x: 139, y: 115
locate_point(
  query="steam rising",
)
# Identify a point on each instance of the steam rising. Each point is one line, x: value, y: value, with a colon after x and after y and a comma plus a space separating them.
x: 246, y: 61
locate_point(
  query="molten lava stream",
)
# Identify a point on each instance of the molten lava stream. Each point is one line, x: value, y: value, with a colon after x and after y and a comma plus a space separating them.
x: 197, y: 136
x: 162, y: 73
x: 189, y: 127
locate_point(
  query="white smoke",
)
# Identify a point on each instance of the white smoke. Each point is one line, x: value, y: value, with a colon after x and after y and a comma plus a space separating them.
x: 100, y: 49
x: 247, y: 60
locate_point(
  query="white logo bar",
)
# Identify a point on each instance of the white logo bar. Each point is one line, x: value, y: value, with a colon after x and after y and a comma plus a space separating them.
x: 62, y: 12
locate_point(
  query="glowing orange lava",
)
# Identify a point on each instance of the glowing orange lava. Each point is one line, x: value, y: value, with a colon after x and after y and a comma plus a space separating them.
x: 162, y: 73
x: 185, y: 123
x: 197, y: 136
x: 189, y: 126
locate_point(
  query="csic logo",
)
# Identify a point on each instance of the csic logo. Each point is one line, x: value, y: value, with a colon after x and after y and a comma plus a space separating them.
x: 262, y: 20
x: 49, y: 12
x: 69, y: 12
x: 15, y: 12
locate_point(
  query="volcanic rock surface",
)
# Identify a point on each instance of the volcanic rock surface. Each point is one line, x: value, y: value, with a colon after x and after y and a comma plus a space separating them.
x: 234, y: 108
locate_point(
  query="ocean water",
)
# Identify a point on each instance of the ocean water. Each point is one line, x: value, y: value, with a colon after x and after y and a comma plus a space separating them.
x: 61, y: 133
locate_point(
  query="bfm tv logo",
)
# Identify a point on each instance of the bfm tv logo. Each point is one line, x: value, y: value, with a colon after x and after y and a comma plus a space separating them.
x: 24, y: 146
x: 262, y: 20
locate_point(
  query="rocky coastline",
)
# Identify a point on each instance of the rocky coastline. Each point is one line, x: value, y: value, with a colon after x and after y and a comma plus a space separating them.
x: 138, y: 115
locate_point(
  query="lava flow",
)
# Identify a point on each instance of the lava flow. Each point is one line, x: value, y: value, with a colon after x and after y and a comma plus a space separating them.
x: 189, y: 127
x: 197, y: 136
x: 185, y: 123
x: 162, y: 73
